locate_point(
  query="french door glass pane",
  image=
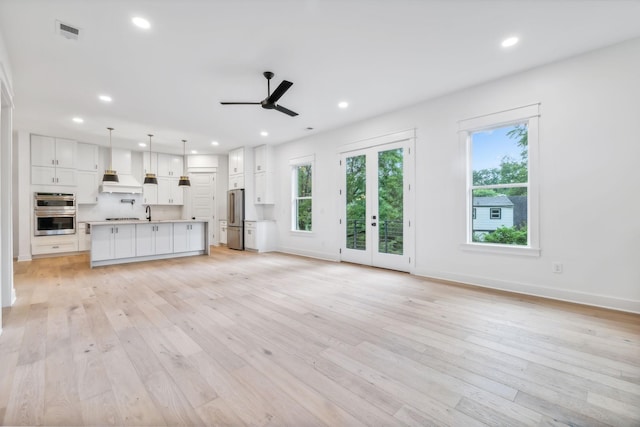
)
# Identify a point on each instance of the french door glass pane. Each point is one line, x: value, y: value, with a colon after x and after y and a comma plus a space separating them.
x: 390, y: 201
x: 356, y: 171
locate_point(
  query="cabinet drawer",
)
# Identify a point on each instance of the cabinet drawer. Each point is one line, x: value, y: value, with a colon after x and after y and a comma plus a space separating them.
x: 53, y: 248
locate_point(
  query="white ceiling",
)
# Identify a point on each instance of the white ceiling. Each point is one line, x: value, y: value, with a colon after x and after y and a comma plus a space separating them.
x: 378, y: 55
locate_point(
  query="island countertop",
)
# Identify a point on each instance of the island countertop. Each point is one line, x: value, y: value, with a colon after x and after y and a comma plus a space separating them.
x: 142, y: 221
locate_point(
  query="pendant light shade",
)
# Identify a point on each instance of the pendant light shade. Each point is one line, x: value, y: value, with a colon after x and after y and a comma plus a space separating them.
x: 150, y: 177
x: 110, y: 175
x: 184, y: 179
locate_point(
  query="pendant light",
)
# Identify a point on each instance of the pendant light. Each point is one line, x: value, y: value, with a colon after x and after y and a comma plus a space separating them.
x: 110, y: 175
x: 184, y: 179
x: 150, y: 177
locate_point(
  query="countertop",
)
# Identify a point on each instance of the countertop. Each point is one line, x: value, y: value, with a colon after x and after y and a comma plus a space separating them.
x: 142, y: 221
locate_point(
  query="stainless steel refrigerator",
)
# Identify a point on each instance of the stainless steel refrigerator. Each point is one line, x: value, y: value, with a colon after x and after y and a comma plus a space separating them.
x: 235, y: 219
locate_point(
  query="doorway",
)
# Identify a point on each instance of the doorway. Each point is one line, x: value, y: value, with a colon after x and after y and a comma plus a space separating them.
x: 376, y: 224
x: 203, y: 200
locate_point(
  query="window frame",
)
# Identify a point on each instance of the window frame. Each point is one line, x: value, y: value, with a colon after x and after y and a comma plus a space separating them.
x: 295, y: 164
x: 492, y: 210
x: 529, y: 115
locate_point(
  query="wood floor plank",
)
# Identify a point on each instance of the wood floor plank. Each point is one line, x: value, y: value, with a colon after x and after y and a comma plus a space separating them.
x: 242, y: 338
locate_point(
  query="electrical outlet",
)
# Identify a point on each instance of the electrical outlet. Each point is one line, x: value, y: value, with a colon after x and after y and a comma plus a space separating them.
x: 556, y: 267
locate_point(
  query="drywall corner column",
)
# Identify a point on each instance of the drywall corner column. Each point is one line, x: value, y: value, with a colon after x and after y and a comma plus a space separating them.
x: 6, y: 224
x: 23, y: 196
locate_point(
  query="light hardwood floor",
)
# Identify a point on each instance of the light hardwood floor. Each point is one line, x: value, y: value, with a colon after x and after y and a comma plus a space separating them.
x: 239, y: 338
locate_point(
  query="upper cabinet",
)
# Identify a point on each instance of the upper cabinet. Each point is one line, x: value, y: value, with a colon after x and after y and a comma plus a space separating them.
x: 53, y: 152
x: 121, y: 160
x: 87, y: 174
x: 236, y: 161
x: 263, y: 158
x: 53, y: 161
x: 263, y: 175
x: 236, y: 168
x: 170, y: 165
x: 87, y: 155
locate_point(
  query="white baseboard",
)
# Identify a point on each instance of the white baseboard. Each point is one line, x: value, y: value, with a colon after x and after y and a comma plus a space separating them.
x: 311, y: 254
x: 631, y: 306
x: 24, y: 258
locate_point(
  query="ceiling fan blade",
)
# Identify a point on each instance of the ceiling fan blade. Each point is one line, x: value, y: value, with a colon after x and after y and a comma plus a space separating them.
x: 280, y: 90
x: 239, y: 103
x: 286, y: 111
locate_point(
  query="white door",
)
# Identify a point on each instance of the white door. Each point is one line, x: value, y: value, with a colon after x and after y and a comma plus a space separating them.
x: 376, y: 220
x: 203, y: 188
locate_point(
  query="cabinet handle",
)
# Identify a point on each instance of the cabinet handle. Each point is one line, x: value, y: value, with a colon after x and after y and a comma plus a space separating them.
x: 55, y: 247
x: 96, y: 166
x: 259, y: 167
x: 57, y: 162
x: 53, y: 162
x: 116, y: 230
x: 53, y: 180
x: 258, y: 198
x: 111, y: 230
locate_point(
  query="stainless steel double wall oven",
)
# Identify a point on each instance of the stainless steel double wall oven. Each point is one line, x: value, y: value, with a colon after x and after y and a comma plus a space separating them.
x: 54, y: 213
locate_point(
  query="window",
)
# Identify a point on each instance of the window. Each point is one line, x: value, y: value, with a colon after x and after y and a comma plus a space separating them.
x: 501, y: 192
x: 302, y: 190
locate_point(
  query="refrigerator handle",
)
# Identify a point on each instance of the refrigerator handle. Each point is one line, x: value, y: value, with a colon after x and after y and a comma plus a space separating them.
x: 232, y: 202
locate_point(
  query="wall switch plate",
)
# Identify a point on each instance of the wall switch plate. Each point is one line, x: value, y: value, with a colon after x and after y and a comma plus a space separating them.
x: 556, y: 267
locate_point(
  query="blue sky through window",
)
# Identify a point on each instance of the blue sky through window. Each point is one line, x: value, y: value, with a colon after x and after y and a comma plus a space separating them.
x: 490, y: 146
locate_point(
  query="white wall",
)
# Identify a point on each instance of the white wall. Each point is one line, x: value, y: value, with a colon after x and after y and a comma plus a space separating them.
x: 7, y: 292
x: 589, y: 154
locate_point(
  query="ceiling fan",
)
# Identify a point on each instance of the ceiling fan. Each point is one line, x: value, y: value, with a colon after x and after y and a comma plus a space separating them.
x: 270, y: 101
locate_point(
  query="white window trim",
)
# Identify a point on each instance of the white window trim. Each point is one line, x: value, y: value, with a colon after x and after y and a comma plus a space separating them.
x: 293, y: 164
x: 527, y: 113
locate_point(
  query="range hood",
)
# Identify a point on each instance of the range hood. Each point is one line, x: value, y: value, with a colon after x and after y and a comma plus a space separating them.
x: 127, y: 184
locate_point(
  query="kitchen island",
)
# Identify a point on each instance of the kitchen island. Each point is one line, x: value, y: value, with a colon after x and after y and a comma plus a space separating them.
x: 124, y: 241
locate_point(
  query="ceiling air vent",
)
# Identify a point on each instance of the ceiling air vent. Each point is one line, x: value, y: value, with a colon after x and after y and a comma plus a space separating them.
x: 67, y: 31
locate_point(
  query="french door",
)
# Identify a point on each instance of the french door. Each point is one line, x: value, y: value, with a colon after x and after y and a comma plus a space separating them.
x: 376, y: 220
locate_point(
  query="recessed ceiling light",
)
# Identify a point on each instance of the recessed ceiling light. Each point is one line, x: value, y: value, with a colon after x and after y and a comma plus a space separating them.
x: 141, y: 22
x: 142, y: 144
x: 215, y: 143
x: 78, y: 119
x: 194, y: 152
x: 264, y: 133
x: 104, y: 98
x: 343, y: 104
x: 510, y: 41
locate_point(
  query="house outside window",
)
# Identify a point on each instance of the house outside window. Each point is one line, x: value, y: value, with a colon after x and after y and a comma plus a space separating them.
x: 501, y: 151
x: 302, y: 194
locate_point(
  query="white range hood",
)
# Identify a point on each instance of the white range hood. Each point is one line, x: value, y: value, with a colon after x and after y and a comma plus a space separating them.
x: 126, y: 184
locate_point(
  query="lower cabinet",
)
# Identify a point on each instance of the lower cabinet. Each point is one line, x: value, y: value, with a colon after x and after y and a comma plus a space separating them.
x: 154, y: 239
x: 223, y: 232
x: 41, y: 245
x: 260, y: 235
x: 188, y: 237
x: 113, y: 241
x: 143, y: 241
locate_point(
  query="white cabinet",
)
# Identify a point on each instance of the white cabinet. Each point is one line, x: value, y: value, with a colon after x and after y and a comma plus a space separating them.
x: 188, y: 237
x: 149, y: 165
x: 113, y: 241
x: 41, y: 245
x: 263, y: 175
x: 87, y: 188
x: 236, y: 168
x: 236, y: 161
x: 263, y: 160
x: 223, y: 233
x: 250, y: 235
x: 170, y: 165
x: 87, y: 157
x: 53, y: 152
x: 150, y: 194
x: 260, y: 235
x: 87, y: 174
x: 154, y: 239
x: 236, y: 182
x: 169, y: 193
x: 53, y: 161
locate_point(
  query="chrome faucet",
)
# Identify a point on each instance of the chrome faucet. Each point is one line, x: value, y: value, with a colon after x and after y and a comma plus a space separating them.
x: 148, y: 212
